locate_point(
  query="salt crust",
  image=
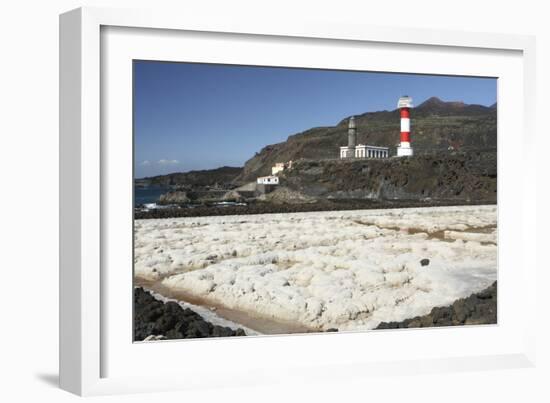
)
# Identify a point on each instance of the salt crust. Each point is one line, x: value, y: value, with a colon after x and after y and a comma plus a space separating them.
x: 348, y: 270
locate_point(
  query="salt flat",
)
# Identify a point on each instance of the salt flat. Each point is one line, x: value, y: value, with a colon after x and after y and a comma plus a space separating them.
x: 348, y: 270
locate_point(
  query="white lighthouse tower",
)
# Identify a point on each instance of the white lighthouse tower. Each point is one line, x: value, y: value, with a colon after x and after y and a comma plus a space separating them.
x: 405, y: 105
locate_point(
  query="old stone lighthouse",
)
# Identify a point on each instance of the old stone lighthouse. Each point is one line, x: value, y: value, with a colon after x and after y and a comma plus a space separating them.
x: 361, y: 150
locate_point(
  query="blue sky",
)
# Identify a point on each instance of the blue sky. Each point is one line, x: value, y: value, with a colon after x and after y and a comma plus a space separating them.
x: 201, y: 116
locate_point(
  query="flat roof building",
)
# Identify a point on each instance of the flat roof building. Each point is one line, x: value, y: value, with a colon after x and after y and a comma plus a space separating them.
x: 268, y: 180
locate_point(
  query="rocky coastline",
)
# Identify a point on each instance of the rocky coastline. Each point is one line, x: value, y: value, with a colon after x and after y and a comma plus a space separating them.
x: 477, y: 309
x: 320, y: 205
x: 157, y: 320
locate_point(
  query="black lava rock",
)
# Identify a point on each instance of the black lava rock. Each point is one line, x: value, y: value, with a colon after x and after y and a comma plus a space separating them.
x: 154, y: 317
x: 477, y: 309
x: 325, y: 204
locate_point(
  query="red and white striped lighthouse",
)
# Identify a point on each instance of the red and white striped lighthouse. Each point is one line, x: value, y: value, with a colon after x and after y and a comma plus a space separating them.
x: 405, y: 105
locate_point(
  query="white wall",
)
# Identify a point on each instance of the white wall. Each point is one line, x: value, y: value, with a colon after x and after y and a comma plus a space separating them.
x: 28, y: 226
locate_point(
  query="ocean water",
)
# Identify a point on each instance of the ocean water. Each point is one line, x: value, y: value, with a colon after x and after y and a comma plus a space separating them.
x: 149, y: 194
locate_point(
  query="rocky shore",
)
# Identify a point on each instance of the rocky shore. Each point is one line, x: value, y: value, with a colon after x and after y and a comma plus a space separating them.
x: 156, y: 320
x: 266, y: 207
x: 461, y: 177
x: 477, y: 309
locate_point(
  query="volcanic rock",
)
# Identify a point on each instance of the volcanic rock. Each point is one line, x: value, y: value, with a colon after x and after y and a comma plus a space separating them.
x: 156, y: 320
x: 477, y: 309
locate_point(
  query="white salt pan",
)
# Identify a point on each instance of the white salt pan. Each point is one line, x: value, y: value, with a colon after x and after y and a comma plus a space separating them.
x: 348, y: 269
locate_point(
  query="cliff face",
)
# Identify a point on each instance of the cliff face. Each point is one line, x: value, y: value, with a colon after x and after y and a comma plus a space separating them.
x: 436, y: 126
x: 465, y: 177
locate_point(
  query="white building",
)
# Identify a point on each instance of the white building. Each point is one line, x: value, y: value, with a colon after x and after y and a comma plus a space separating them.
x: 346, y: 152
x: 365, y: 151
x: 360, y: 150
x: 278, y: 167
x: 268, y: 180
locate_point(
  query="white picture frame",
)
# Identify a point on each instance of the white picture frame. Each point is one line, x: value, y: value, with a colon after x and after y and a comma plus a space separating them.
x: 87, y: 307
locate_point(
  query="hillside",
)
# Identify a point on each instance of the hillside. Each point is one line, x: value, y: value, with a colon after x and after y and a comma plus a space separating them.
x: 222, y: 177
x: 461, y: 177
x: 436, y: 126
